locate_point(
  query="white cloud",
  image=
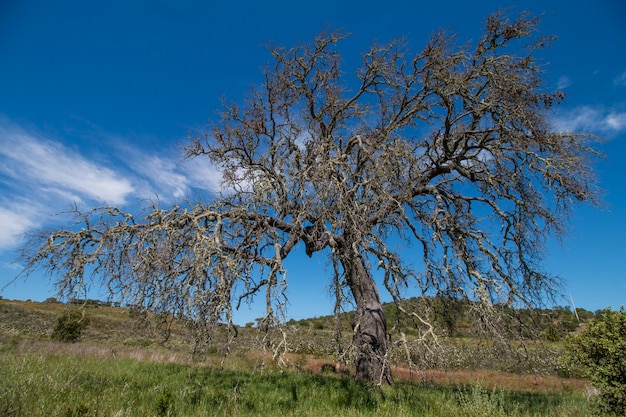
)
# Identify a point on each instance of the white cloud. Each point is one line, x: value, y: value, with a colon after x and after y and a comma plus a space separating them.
x: 581, y: 118
x: 52, y: 167
x: 590, y: 120
x: 40, y: 177
x: 14, y: 221
x: 616, y: 121
x: 169, y: 177
x: 564, y: 82
x: 621, y: 79
x: 202, y: 174
x: 161, y: 175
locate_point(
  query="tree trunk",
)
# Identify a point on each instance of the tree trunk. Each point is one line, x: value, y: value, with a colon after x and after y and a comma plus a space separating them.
x: 369, y: 323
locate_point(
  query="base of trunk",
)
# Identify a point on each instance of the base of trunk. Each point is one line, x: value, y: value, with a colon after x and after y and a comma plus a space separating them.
x: 369, y: 323
x: 372, y: 365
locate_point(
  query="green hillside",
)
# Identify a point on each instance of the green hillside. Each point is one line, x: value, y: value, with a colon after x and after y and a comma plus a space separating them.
x: 459, y: 345
x: 125, y: 363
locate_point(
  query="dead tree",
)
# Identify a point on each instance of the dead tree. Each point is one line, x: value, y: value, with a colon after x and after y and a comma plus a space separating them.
x: 447, y: 153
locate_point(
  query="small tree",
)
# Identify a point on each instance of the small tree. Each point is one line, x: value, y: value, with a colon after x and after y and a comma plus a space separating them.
x: 69, y: 326
x: 446, y: 152
x: 599, y: 352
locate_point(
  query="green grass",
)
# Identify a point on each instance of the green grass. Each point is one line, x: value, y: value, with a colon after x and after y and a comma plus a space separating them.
x: 41, y: 383
x: 119, y: 367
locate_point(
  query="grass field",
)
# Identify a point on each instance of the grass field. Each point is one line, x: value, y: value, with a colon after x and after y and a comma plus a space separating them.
x: 49, y: 380
x: 113, y: 374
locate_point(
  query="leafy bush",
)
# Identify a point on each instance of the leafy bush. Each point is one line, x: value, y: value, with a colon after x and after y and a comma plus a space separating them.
x: 318, y: 325
x: 599, y: 352
x: 69, y: 326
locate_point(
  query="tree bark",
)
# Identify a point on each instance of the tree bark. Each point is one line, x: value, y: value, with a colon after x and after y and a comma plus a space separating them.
x: 369, y: 323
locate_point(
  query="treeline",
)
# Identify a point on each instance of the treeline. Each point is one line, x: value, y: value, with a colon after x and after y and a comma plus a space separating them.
x: 449, y: 316
x: 463, y: 318
x: 85, y: 302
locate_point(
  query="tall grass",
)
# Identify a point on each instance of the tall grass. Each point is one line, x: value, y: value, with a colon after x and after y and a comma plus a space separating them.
x: 48, y: 383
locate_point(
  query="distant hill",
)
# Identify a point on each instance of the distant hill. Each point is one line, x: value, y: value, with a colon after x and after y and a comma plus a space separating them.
x: 453, y: 318
x: 459, y: 345
x: 457, y: 318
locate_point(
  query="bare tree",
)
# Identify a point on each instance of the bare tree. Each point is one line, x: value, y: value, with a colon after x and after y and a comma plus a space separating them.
x: 447, y: 153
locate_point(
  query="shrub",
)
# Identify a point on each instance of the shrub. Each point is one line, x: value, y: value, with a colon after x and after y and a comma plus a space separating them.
x: 599, y: 352
x: 318, y: 325
x: 69, y: 326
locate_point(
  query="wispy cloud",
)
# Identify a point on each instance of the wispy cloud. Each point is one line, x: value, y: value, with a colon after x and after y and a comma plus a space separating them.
x: 564, y: 82
x: 15, y: 220
x: 160, y: 176
x: 591, y: 120
x: 616, y: 121
x: 40, y: 176
x: 203, y: 175
x: 621, y: 79
x: 50, y: 167
x: 166, y: 175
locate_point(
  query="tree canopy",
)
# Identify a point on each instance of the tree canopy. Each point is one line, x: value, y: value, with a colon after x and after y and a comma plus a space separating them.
x: 446, y: 154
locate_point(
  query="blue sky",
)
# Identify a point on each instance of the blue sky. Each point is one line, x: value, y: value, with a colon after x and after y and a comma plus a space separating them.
x: 97, y: 97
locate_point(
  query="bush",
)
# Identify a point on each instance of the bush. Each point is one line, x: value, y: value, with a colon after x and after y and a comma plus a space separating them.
x: 69, y: 326
x: 599, y: 352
